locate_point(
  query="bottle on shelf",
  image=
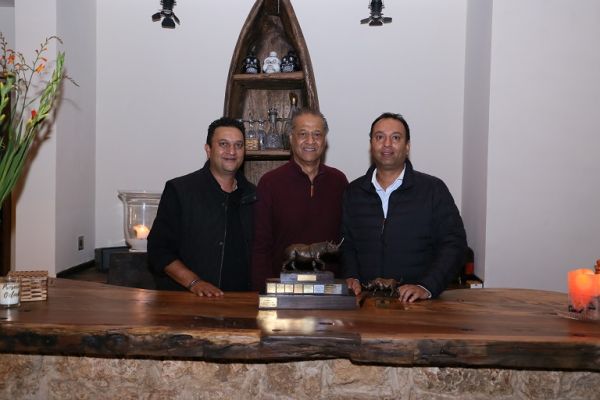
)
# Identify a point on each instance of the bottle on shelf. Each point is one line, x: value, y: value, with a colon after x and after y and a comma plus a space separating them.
x: 272, y: 63
x: 251, y: 65
x: 252, y: 136
x: 287, y: 125
x: 261, y: 134
x: 290, y: 62
x: 273, y: 138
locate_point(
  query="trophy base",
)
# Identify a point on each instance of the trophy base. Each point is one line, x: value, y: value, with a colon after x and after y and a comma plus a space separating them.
x: 306, y: 302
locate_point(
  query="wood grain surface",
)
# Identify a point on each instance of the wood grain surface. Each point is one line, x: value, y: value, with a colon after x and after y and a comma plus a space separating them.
x: 507, y: 328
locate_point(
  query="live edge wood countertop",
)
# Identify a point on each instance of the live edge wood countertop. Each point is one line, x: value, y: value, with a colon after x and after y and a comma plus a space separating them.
x: 504, y: 328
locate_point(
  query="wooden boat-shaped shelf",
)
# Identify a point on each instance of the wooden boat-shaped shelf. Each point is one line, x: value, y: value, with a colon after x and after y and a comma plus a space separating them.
x: 270, y: 26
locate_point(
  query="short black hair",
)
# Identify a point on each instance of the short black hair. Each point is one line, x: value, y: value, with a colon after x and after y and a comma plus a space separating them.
x: 224, y: 121
x: 310, y: 111
x: 397, y: 117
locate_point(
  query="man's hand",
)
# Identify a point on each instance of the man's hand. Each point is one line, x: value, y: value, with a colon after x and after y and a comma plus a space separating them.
x: 189, y: 280
x: 354, y: 285
x: 204, y: 288
x: 410, y: 293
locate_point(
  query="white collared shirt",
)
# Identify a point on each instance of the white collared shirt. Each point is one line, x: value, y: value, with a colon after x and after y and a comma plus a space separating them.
x: 384, y: 194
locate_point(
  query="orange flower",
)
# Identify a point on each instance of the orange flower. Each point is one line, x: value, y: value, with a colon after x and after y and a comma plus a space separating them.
x: 11, y: 58
x: 40, y: 68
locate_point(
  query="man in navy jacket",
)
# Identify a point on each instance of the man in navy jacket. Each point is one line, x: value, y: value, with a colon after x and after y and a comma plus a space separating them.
x: 400, y: 223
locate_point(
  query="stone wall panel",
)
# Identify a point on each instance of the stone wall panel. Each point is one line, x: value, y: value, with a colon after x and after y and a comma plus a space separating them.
x: 56, y: 377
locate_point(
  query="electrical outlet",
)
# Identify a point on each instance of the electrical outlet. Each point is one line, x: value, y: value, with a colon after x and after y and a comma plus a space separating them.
x: 80, y: 243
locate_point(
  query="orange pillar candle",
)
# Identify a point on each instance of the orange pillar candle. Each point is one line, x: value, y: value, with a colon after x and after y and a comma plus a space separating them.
x: 582, y: 287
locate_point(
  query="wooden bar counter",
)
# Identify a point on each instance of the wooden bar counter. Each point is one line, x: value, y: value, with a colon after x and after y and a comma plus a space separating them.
x: 501, y: 329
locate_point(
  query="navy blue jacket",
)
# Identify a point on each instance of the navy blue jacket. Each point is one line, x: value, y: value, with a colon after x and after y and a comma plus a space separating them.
x: 422, y: 241
x: 191, y: 225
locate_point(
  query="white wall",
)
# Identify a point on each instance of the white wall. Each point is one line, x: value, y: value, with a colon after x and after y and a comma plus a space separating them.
x: 476, y: 127
x: 159, y: 89
x: 34, y: 228
x: 56, y: 202
x: 7, y: 23
x: 76, y: 126
x: 543, y: 193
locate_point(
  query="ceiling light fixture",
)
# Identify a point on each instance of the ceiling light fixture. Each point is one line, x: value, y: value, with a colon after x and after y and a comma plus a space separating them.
x: 166, y: 13
x: 376, y: 18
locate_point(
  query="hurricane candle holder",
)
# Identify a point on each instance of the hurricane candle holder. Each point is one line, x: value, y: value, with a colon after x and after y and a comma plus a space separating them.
x: 139, y: 213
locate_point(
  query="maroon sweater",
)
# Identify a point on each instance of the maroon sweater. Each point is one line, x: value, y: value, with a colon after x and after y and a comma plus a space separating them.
x: 291, y: 210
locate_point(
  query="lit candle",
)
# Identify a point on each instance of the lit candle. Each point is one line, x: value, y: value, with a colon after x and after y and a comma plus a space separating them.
x: 141, y: 231
x: 583, y: 285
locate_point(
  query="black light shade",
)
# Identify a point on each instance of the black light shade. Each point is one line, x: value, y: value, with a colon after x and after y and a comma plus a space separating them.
x: 166, y: 14
x: 168, y: 23
x: 376, y: 18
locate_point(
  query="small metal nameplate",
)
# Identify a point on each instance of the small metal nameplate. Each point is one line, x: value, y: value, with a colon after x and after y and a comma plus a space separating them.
x: 271, y: 287
x: 319, y: 289
x: 333, y: 289
x: 298, y: 288
x: 306, y: 278
x: 267, y: 302
x: 308, y: 289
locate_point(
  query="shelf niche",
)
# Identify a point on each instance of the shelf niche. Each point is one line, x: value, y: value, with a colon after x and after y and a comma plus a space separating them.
x: 270, y: 26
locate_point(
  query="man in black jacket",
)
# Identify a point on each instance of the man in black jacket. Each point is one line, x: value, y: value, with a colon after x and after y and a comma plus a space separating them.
x: 201, y: 237
x: 400, y: 223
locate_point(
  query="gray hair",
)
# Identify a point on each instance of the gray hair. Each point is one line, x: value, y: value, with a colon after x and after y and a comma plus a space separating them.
x: 310, y: 111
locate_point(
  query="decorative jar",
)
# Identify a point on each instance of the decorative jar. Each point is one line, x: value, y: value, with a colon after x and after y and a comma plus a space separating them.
x: 10, y: 292
x: 139, y: 213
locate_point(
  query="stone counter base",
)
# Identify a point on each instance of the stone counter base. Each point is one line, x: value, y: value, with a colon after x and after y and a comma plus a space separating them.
x: 56, y: 377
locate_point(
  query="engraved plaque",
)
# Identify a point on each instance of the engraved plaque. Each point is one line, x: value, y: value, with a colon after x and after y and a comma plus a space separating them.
x: 307, y: 278
x: 271, y: 287
x: 318, y: 289
x: 308, y: 288
x: 267, y: 302
x: 298, y: 288
x: 289, y: 288
x: 280, y: 288
x: 308, y: 302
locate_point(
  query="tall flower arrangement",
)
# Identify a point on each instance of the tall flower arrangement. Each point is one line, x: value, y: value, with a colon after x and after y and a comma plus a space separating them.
x: 24, y: 106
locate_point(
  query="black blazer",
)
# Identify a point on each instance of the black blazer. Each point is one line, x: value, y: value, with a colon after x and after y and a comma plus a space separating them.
x: 191, y: 225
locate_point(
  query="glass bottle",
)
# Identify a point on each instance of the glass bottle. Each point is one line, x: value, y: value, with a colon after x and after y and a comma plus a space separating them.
x: 287, y: 127
x: 252, y: 137
x: 273, y: 139
x: 261, y: 134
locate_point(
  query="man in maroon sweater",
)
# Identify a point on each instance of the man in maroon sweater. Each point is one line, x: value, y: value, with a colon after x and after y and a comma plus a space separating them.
x: 299, y: 202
